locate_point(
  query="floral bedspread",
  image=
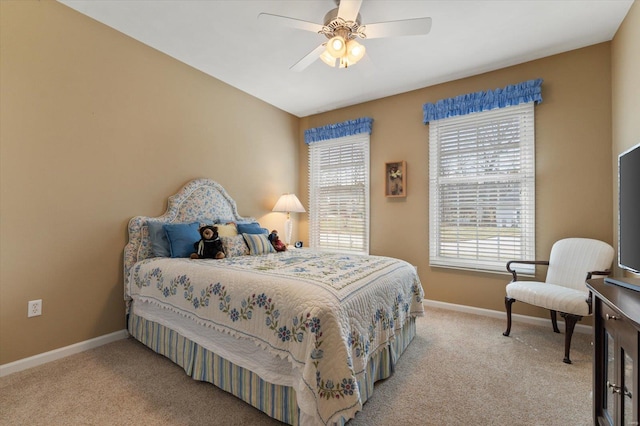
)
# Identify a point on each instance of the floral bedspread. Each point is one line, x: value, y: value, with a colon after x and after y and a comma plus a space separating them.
x: 326, y: 313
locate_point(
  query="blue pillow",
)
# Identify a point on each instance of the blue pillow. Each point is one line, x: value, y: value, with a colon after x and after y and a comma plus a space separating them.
x: 158, y: 238
x: 182, y: 237
x: 251, y: 228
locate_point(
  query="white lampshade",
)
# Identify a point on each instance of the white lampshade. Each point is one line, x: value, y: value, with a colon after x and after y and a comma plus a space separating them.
x: 355, y: 51
x: 328, y: 59
x: 288, y: 203
x: 337, y: 46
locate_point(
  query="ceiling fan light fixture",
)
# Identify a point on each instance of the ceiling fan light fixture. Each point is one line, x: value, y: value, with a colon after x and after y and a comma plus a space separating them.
x: 355, y: 51
x: 337, y: 46
x: 328, y: 59
x: 342, y: 25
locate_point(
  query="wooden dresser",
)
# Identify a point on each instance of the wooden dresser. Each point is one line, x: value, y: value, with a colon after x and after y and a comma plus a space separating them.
x: 616, y: 371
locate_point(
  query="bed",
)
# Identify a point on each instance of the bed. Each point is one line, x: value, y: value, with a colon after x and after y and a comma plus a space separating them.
x: 301, y: 335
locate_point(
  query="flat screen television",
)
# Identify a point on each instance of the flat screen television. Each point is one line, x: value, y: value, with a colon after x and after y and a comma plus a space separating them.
x: 629, y: 216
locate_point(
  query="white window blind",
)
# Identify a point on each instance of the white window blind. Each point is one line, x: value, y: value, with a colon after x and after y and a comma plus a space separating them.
x: 339, y: 194
x: 482, y: 189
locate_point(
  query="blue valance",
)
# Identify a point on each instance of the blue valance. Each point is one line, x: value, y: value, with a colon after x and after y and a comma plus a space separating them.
x: 338, y: 130
x: 515, y: 94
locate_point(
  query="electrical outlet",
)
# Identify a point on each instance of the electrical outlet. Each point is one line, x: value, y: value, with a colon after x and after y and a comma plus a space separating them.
x: 35, y: 308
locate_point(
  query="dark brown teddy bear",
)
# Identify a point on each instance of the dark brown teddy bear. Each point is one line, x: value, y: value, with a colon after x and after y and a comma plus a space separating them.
x: 209, y: 246
x: 276, y: 242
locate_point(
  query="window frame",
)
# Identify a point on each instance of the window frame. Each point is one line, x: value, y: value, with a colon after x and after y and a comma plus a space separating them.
x: 320, y: 238
x: 522, y: 216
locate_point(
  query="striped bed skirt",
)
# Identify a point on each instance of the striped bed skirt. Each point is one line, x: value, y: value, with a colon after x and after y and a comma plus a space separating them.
x: 276, y: 401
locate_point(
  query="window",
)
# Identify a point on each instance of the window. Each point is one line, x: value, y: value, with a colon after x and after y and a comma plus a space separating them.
x: 482, y: 189
x: 339, y: 194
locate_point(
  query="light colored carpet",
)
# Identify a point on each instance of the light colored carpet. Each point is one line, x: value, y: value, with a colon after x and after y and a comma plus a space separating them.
x: 459, y: 370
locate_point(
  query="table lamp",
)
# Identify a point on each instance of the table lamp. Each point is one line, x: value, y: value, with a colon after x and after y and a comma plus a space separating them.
x: 288, y: 203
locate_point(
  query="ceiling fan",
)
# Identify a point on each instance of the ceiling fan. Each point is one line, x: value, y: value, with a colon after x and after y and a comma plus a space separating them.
x: 342, y: 26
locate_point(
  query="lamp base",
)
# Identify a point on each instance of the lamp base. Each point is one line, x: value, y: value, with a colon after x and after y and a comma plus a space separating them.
x: 288, y: 228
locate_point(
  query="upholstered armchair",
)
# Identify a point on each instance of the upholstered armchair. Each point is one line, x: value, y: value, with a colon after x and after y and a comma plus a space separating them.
x: 571, y: 263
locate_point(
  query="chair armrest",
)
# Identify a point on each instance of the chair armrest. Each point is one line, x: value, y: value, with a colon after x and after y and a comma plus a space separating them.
x: 602, y: 273
x: 590, y: 274
x: 524, y: 262
x: 589, y: 301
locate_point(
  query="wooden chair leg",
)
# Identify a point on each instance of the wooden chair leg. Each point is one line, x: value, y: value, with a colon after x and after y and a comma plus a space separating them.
x: 554, y: 321
x: 508, y: 301
x: 570, y: 321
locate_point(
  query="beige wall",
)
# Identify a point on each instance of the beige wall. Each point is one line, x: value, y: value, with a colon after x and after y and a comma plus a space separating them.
x: 573, y: 167
x: 97, y: 128
x: 625, y: 108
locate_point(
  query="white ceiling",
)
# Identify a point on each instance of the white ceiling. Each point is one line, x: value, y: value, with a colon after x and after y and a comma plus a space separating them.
x: 224, y: 39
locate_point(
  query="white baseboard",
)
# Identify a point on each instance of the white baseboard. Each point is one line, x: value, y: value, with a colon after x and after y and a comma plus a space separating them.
x: 43, y: 358
x: 546, y: 322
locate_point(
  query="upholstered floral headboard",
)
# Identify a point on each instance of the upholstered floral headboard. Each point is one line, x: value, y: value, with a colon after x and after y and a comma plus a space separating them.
x: 200, y: 200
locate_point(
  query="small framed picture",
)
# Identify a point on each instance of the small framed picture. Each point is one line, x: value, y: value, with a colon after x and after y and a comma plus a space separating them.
x: 395, y: 179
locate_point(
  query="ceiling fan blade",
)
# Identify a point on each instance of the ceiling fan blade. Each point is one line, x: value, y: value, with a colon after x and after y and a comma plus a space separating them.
x: 405, y: 27
x: 308, y: 59
x: 270, y: 19
x: 349, y: 9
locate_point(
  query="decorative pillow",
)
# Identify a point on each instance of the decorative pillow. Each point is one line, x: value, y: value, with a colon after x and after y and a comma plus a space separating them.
x: 251, y: 228
x: 234, y: 246
x: 182, y: 237
x: 223, y: 221
x: 227, y: 230
x: 258, y: 244
x: 158, y: 239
